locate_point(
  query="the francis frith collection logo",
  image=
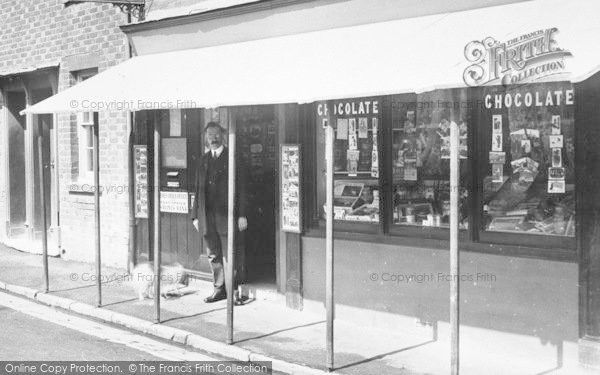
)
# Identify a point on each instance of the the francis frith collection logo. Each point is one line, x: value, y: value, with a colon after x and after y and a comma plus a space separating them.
x: 523, y: 59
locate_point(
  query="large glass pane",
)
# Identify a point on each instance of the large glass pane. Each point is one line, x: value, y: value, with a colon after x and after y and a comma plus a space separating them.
x: 421, y: 158
x: 530, y: 181
x: 356, y: 158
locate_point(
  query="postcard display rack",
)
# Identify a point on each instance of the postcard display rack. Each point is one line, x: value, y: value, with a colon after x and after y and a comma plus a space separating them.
x: 530, y: 185
x: 140, y: 154
x: 290, y: 188
x: 356, y: 168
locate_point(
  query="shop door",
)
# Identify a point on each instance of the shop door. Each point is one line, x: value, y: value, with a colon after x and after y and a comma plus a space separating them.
x: 257, y: 152
x: 181, y: 149
x: 15, y: 102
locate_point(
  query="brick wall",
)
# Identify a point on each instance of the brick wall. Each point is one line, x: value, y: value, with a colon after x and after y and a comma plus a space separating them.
x: 81, y: 36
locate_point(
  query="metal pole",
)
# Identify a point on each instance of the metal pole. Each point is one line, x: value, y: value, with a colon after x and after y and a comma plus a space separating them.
x: 454, y: 253
x: 97, y: 208
x: 156, y: 190
x: 131, y: 181
x: 329, y: 304
x: 43, y: 203
x: 229, y: 271
x: 131, y: 184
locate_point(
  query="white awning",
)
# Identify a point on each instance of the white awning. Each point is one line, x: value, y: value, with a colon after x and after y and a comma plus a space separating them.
x: 410, y: 55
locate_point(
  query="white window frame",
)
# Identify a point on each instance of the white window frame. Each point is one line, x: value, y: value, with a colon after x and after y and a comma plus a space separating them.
x: 85, y: 126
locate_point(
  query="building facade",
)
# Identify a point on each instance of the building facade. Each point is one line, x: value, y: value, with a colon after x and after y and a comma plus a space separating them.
x: 528, y: 213
x: 47, y: 47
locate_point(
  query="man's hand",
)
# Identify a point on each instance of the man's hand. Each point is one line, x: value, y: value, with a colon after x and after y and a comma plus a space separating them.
x: 196, y: 225
x: 242, y: 224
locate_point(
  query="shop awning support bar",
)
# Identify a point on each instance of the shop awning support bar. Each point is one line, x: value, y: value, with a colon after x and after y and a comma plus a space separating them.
x: 156, y: 193
x: 230, y: 262
x: 96, y: 157
x: 454, y: 253
x: 41, y: 171
x: 329, y: 301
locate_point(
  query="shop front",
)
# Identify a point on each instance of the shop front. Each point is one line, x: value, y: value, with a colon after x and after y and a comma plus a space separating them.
x: 528, y: 167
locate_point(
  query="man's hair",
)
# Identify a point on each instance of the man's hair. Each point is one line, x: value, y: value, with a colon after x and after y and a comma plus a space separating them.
x: 215, y: 125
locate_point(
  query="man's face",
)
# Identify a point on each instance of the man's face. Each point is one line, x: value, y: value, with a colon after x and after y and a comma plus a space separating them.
x: 214, y: 138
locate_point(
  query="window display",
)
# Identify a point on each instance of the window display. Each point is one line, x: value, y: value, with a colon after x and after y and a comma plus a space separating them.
x: 356, y: 158
x: 421, y: 155
x: 356, y: 200
x: 530, y: 184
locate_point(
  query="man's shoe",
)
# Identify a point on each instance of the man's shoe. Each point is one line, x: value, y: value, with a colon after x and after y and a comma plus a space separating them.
x: 218, y: 295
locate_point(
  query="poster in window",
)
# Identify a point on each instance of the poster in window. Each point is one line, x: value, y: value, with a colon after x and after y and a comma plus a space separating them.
x: 290, y: 188
x: 556, y: 141
x: 352, y: 141
x: 556, y: 186
x: 363, y: 127
x: 557, y: 157
x: 556, y: 173
x: 353, y: 159
x: 556, y: 124
x: 497, y: 124
x: 174, y: 152
x: 140, y: 154
x: 497, y: 142
x: 410, y: 172
x: 497, y: 157
x: 342, y: 128
x: 351, y: 125
x: 497, y: 172
x: 374, y: 164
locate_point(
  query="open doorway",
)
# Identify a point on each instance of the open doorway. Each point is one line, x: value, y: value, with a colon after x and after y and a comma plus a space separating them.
x: 257, y: 145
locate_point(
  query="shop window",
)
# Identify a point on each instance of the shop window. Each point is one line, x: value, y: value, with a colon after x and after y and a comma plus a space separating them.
x: 356, y: 159
x: 528, y: 140
x: 420, y: 158
x: 85, y: 135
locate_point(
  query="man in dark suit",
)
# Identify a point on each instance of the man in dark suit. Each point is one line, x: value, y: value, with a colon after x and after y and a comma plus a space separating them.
x: 209, y: 212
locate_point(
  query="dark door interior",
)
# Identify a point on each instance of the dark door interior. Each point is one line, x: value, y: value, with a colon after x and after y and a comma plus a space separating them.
x: 257, y: 142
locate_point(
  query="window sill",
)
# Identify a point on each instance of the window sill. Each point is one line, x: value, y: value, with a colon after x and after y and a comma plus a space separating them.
x: 83, y: 187
x: 351, y: 226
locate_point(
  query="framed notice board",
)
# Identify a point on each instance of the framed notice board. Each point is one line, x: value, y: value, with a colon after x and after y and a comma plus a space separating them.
x: 290, y: 188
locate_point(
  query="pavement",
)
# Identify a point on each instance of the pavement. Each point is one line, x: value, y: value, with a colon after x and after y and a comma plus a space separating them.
x: 264, y: 329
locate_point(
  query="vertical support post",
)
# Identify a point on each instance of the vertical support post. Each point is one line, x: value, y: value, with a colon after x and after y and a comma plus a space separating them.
x: 29, y: 167
x: 43, y: 203
x: 96, y: 156
x: 229, y: 269
x: 454, y: 253
x: 131, y: 184
x: 54, y: 173
x: 329, y: 300
x: 156, y: 190
x: 132, y: 260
